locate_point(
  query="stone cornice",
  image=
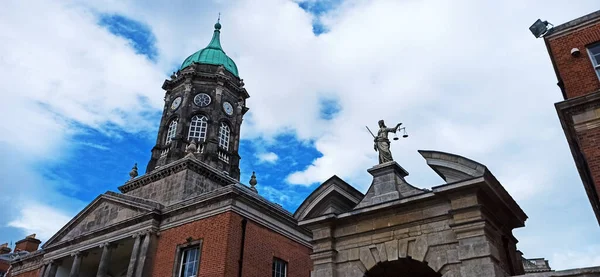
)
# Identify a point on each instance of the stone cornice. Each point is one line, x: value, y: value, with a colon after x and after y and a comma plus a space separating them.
x: 229, y: 81
x: 243, y: 202
x: 486, y: 183
x: 567, y: 110
x: 188, y: 162
x: 577, y: 23
x: 148, y: 218
x: 27, y: 263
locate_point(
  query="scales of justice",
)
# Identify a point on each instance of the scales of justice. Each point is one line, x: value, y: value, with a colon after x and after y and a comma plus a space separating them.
x: 382, y: 143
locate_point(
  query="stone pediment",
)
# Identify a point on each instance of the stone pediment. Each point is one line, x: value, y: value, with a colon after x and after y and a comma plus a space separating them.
x: 106, y: 210
x: 334, y: 196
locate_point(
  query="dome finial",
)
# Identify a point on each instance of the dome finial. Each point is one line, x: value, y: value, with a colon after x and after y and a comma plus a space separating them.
x: 218, y: 24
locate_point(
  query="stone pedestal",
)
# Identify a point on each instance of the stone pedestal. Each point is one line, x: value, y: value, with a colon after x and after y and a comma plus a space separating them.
x: 388, y: 184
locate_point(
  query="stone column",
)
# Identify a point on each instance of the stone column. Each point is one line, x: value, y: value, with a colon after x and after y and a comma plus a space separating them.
x: 42, y: 269
x: 104, y: 260
x: 76, y: 264
x: 51, y: 269
x: 145, y: 255
x: 134, y: 255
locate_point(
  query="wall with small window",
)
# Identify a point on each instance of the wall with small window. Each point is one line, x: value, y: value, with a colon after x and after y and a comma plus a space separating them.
x: 211, y: 247
x: 268, y: 253
x: 199, y: 247
x: 580, y: 73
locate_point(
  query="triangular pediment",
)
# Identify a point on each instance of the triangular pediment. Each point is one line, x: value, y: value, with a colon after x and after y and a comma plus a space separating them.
x: 333, y: 196
x: 106, y: 210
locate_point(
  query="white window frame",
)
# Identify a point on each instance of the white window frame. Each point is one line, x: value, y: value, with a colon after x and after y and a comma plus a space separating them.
x: 279, y: 268
x: 594, y: 57
x: 171, y: 131
x: 185, y: 261
x: 198, y: 128
x: 224, y: 136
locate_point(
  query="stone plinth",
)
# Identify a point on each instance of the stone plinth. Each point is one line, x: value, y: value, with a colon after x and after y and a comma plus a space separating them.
x: 388, y: 184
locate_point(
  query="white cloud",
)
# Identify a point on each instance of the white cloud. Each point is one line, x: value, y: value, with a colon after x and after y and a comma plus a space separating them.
x: 60, y: 72
x: 576, y: 258
x: 42, y: 220
x: 268, y: 157
x: 464, y: 77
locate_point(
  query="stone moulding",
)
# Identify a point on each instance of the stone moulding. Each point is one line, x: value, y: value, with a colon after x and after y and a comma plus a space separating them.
x: 190, y: 163
x: 452, y: 167
x: 193, y: 72
x: 449, y: 228
x: 142, y: 211
x: 581, y: 109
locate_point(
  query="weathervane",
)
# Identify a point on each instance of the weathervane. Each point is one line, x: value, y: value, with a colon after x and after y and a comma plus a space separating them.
x: 382, y: 143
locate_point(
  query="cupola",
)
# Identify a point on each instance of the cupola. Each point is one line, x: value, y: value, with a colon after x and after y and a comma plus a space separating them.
x: 213, y: 54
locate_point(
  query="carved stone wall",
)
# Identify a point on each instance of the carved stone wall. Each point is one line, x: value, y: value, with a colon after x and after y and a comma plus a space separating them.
x: 175, y: 188
x: 462, y: 229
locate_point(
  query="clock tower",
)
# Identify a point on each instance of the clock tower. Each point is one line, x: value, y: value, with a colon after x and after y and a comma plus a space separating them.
x: 205, y: 102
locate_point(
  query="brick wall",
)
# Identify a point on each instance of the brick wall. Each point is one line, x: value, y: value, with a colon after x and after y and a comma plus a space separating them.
x: 589, y: 143
x: 222, y: 237
x: 577, y: 73
x: 214, y: 233
x: 262, y: 245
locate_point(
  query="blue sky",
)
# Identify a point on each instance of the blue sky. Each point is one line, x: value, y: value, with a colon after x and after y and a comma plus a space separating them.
x: 317, y: 73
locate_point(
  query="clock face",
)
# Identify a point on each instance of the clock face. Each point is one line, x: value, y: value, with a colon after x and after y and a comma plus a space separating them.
x: 202, y: 100
x: 228, y: 108
x: 176, y: 102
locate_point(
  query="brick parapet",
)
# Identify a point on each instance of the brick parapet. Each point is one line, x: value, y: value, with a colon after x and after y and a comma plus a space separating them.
x: 576, y: 72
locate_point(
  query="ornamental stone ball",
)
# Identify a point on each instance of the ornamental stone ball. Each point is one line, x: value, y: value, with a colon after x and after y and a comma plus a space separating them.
x: 134, y: 171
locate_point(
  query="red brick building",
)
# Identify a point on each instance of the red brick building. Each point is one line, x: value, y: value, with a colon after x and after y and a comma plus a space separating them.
x: 189, y: 215
x: 574, y: 49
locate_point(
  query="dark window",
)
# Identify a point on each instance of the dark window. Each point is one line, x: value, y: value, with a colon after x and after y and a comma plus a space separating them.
x: 190, y: 260
x: 279, y: 268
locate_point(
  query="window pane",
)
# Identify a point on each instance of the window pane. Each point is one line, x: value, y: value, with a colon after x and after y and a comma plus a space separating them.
x: 279, y: 268
x: 595, y: 50
x: 189, y: 261
x: 595, y: 54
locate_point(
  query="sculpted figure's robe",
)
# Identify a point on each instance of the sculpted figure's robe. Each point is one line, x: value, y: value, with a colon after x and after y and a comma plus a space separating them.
x: 383, y: 144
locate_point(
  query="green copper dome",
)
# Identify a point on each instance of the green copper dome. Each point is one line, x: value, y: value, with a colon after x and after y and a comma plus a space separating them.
x: 213, y: 54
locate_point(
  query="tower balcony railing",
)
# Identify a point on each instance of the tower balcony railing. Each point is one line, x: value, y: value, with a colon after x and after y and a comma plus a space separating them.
x: 223, y: 156
x: 164, y: 152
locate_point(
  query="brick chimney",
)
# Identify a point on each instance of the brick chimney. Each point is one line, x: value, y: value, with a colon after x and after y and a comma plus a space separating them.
x: 29, y: 244
x: 4, y: 249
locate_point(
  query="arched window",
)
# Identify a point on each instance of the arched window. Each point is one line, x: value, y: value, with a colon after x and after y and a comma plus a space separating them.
x: 171, y: 131
x: 198, y: 127
x: 224, y: 136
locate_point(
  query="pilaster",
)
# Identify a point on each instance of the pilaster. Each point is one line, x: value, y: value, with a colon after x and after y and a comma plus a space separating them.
x: 324, y: 253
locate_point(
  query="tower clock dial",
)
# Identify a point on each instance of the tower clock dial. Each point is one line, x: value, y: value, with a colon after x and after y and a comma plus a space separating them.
x: 202, y: 100
x: 175, y: 104
x: 228, y: 108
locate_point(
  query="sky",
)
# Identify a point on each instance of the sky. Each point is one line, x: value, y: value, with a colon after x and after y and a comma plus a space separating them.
x: 82, y: 99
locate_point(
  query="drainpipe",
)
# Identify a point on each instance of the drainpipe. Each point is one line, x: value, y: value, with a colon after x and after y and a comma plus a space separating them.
x: 241, y: 260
